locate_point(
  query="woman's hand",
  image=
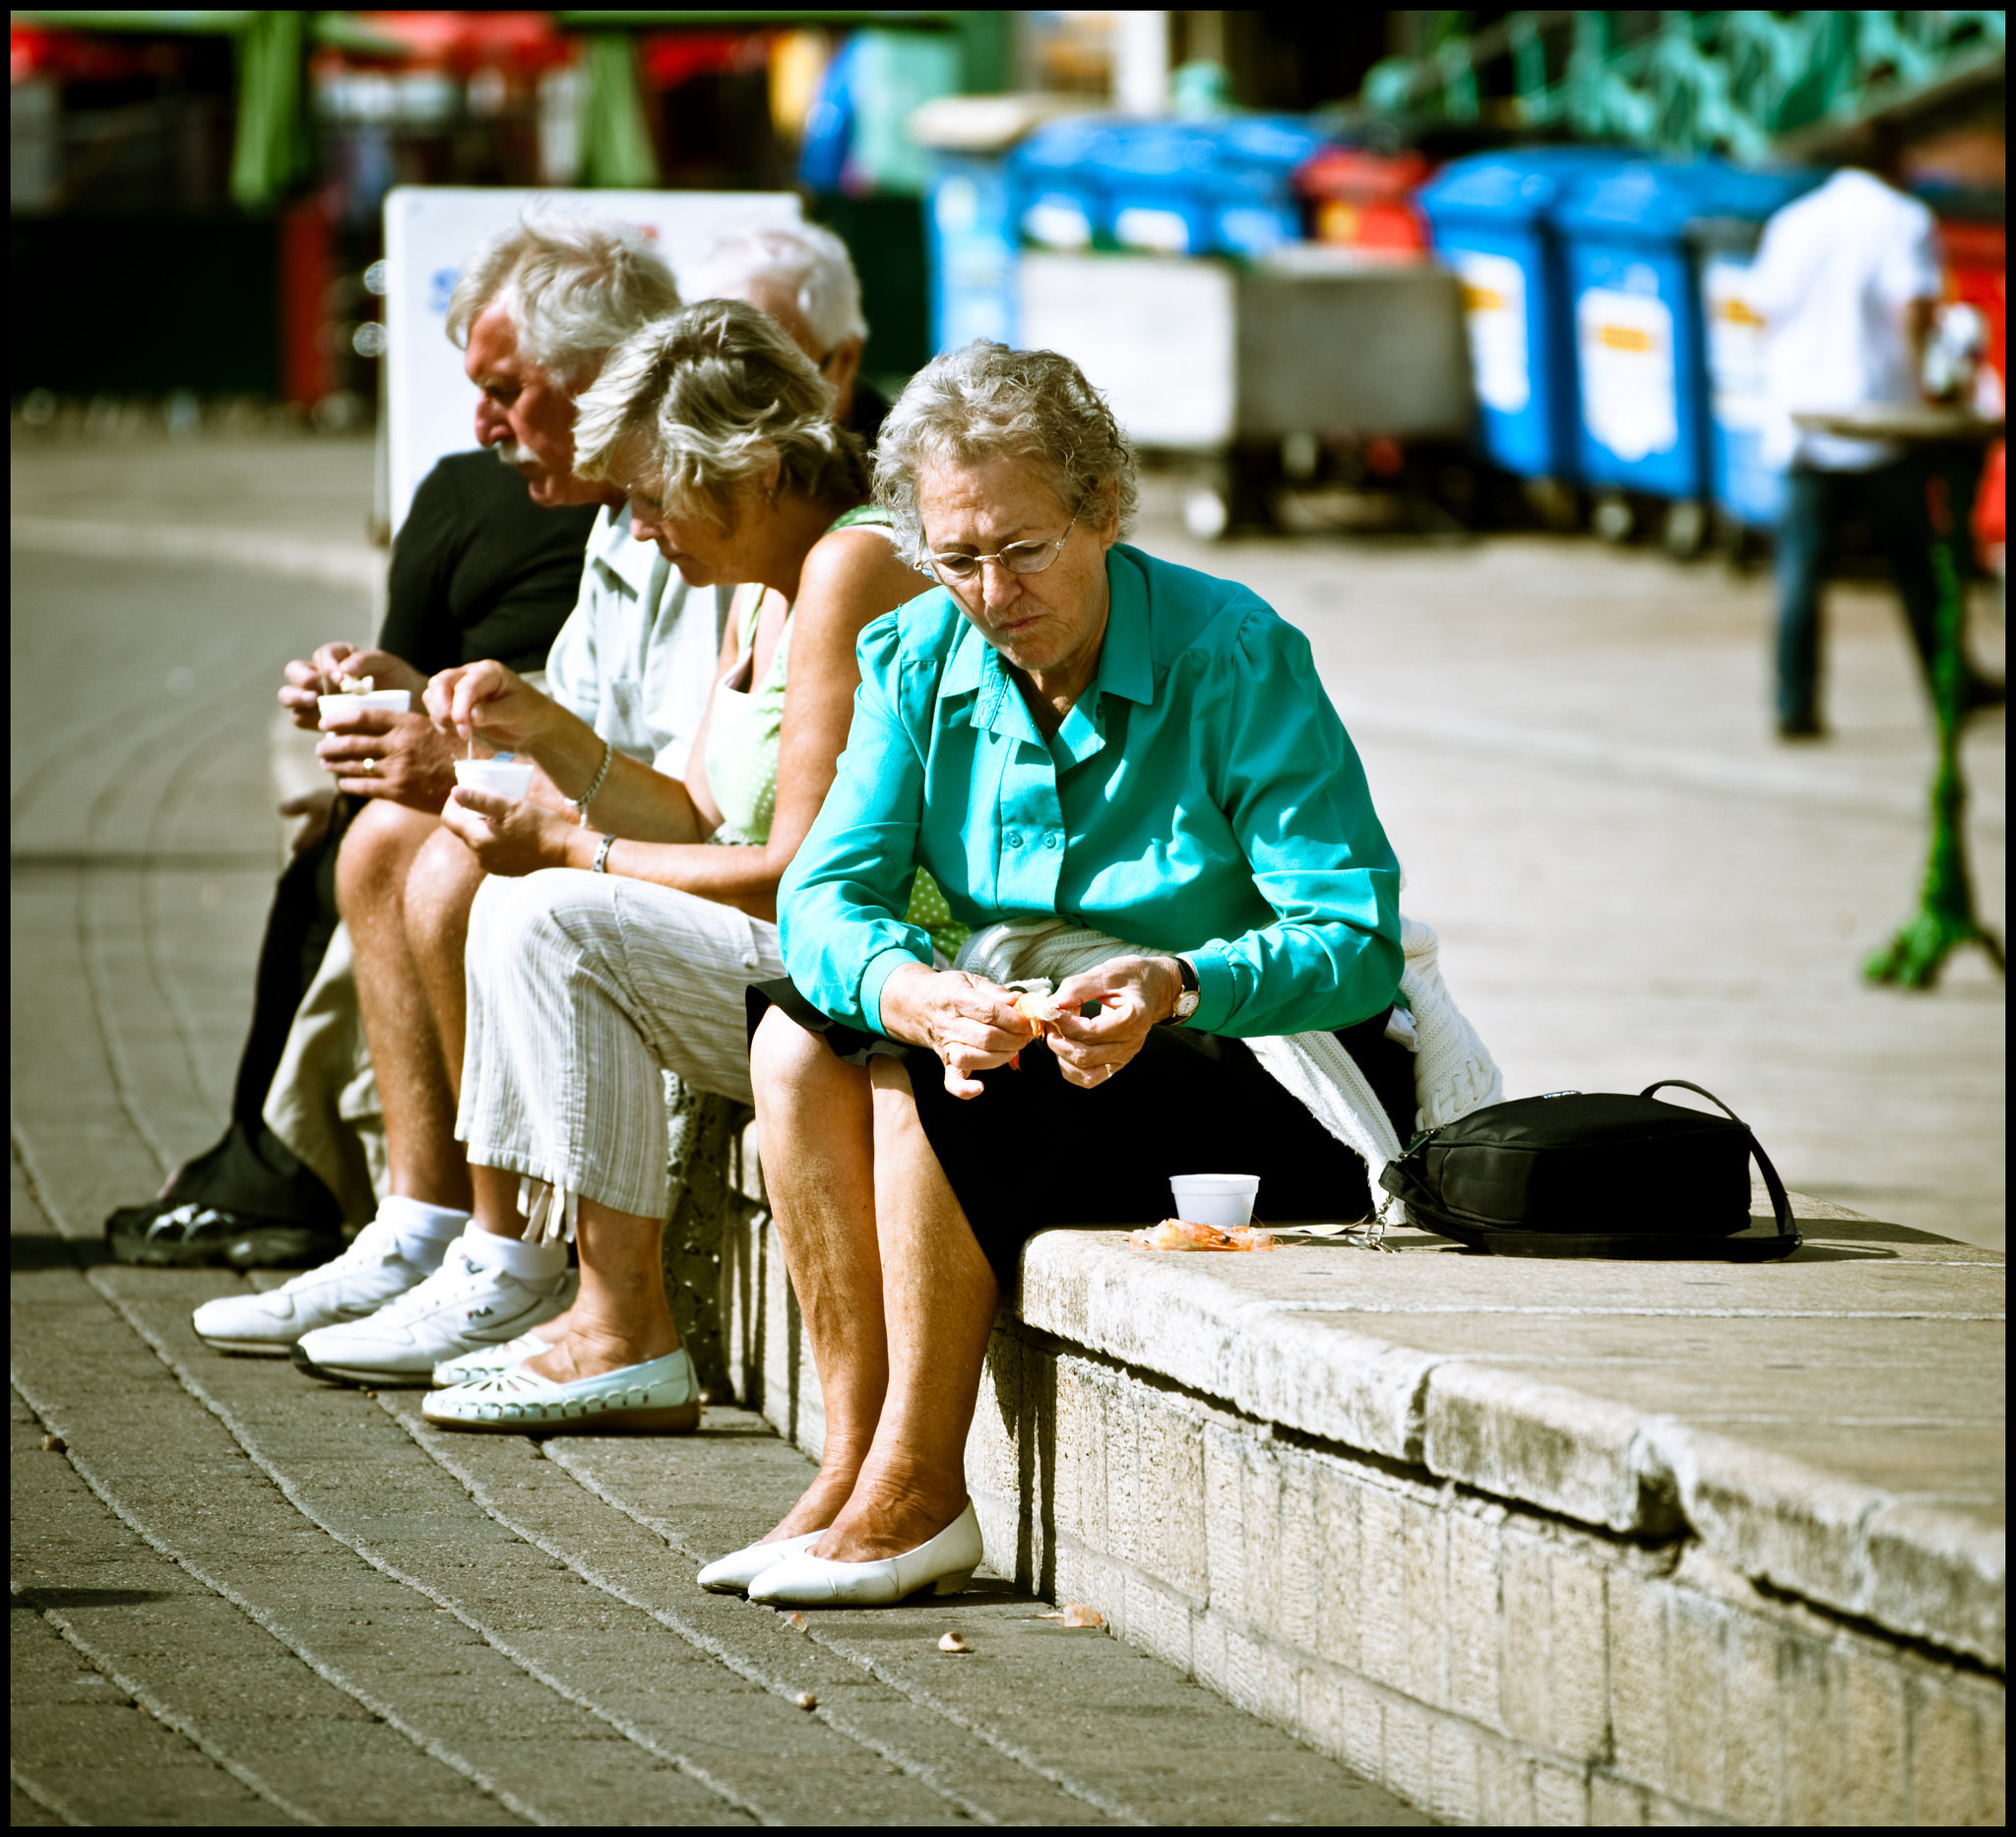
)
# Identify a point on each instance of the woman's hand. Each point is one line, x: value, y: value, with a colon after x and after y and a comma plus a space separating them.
x: 511, y: 838
x: 964, y: 1019
x: 1133, y: 994
x: 488, y: 703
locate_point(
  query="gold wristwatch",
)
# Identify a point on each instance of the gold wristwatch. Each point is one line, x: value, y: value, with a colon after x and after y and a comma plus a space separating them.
x: 1186, y: 1002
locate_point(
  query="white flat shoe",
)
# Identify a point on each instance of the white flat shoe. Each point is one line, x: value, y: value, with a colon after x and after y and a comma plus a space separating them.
x: 944, y: 1565
x: 738, y: 1568
x: 657, y: 1397
x: 506, y: 1358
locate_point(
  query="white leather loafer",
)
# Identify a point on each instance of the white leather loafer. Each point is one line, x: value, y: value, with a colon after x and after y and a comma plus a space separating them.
x: 657, y: 1397
x: 944, y: 1565
x: 740, y: 1567
x: 493, y: 1359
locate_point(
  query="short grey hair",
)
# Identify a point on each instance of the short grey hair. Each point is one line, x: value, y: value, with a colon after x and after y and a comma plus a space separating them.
x: 987, y: 402
x: 575, y: 287
x: 812, y: 264
x: 703, y: 401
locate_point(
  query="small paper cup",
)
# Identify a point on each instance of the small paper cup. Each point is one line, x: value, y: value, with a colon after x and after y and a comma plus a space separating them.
x: 497, y: 778
x: 1225, y: 1200
x: 394, y: 701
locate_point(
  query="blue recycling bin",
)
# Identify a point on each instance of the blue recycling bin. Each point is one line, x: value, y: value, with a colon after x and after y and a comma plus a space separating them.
x: 1057, y: 182
x: 1207, y: 187
x: 1155, y: 177
x: 1254, y: 207
x: 1162, y: 187
x: 973, y: 247
x: 1725, y: 241
x: 1646, y: 388
x: 1490, y: 219
x: 1635, y: 305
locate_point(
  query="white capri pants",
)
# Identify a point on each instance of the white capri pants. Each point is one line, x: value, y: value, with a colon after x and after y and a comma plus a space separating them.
x: 583, y: 989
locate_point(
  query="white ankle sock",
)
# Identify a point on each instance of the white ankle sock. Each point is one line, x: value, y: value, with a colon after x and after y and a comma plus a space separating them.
x: 529, y: 1262
x: 424, y: 1232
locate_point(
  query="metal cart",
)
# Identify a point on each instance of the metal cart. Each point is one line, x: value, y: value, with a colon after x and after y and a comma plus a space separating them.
x: 1251, y: 370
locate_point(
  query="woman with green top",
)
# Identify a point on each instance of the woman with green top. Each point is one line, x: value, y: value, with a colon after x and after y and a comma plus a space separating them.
x: 600, y: 956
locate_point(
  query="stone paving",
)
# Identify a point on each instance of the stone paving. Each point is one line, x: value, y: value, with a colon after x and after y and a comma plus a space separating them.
x: 1630, y: 883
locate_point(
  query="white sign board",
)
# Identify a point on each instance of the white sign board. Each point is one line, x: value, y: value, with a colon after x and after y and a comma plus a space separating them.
x: 431, y: 231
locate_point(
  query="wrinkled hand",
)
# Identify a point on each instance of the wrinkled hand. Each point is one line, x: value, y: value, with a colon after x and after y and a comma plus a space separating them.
x: 510, y: 837
x: 1133, y: 994
x: 323, y: 675
x: 964, y: 1019
x: 318, y: 806
x: 411, y: 763
x: 488, y: 703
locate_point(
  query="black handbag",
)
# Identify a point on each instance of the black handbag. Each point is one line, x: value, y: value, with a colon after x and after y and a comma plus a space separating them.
x: 1594, y: 1173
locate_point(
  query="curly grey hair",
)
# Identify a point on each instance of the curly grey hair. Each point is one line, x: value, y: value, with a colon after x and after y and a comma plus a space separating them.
x: 573, y: 286
x: 987, y: 402
x: 703, y: 401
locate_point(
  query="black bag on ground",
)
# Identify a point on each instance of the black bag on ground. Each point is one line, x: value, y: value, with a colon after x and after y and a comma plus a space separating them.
x: 1595, y: 1174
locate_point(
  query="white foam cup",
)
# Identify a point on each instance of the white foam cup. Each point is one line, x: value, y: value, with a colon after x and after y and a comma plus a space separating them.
x: 394, y: 701
x: 497, y: 778
x: 1225, y: 1200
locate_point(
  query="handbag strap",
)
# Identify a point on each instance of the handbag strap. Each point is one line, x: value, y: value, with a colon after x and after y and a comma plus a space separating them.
x: 1781, y: 1205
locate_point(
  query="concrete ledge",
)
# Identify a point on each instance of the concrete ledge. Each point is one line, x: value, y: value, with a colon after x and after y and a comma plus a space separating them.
x: 1562, y: 1542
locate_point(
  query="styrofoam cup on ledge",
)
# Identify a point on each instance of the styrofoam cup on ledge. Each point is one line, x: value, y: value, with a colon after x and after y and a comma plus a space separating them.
x: 1225, y: 1200
x: 497, y: 778
x: 394, y: 701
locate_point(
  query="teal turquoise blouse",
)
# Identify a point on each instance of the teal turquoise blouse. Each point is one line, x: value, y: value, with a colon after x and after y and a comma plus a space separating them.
x: 1201, y: 796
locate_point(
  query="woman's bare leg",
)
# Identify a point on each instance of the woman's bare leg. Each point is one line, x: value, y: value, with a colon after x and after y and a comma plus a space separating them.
x: 620, y: 1317
x: 938, y: 1300
x: 815, y: 1116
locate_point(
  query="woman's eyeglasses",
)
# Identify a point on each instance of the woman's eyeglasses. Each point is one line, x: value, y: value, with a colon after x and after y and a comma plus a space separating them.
x: 1017, y: 558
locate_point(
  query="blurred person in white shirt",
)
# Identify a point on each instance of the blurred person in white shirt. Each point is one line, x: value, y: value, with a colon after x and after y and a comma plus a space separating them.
x: 1847, y: 281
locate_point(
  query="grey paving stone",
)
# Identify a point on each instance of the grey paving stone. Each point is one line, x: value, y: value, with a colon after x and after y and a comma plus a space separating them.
x: 200, y: 1664
x: 1125, y: 1733
x: 80, y: 1751
x: 81, y: 1377
x: 24, y: 1810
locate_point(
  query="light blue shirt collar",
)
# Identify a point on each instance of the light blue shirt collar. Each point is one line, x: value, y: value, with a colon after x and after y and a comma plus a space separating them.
x: 624, y: 562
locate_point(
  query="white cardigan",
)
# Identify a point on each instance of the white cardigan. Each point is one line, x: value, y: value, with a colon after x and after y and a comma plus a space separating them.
x: 1454, y: 1072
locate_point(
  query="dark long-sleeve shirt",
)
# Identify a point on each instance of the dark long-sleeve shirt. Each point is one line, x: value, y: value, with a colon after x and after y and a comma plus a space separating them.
x: 478, y: 570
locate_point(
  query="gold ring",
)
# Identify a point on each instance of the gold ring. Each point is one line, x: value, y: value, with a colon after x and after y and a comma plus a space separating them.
x: 365, y: 767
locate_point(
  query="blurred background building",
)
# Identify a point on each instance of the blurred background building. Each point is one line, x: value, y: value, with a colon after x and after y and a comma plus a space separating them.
x: 196, y: 209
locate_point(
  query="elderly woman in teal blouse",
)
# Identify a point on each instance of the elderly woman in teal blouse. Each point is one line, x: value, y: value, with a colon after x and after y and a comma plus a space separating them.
x: 1070, y: 730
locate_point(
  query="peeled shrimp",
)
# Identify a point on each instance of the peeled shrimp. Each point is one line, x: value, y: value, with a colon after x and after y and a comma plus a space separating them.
x: 1040, y: 1011
x: 1183, y: 1234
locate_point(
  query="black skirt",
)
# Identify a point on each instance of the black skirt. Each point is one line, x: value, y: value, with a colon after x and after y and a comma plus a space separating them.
x: 1033, y: 1151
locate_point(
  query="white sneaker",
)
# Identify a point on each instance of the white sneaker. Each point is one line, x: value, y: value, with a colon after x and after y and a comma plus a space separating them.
x: 374, y: 1270
x: 463, y: 1306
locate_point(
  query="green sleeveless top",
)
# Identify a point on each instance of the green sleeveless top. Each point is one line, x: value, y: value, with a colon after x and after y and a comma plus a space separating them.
x: 743, y: 741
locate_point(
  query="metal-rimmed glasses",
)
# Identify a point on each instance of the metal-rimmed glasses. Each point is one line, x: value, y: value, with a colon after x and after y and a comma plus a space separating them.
x: 1017, y: 558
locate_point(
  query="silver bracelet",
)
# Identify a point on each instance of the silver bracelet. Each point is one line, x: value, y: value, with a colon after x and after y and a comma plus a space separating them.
x: 602, y: 855
x: 586, y: 798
